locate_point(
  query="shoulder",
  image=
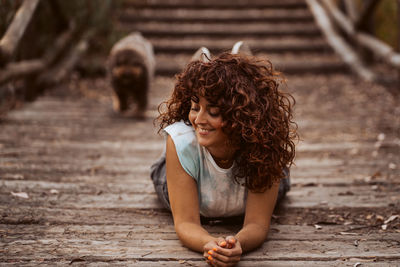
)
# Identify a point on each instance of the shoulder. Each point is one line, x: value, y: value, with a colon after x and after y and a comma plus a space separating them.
x: 179, y: 128
x: 187, y: 148
x: 183, y: 135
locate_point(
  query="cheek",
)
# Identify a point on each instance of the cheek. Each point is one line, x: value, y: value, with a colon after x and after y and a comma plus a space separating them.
x: 218, y: 123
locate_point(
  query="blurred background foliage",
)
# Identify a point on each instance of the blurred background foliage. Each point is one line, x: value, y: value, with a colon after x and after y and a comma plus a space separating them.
x: 384, y: 22
x: 52, y: 18
x: 386, y: 26
x: 96, y: 15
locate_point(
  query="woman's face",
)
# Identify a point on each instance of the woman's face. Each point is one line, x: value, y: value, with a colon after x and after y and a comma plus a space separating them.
x: 207, y: 122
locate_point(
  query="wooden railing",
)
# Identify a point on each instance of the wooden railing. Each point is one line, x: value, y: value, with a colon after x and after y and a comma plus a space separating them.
x: 52, y: 66
x: 352, y: 24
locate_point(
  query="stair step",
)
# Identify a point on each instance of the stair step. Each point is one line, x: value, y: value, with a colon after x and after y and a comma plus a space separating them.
x: 221, y: 4
x: 248, y: 15
x: 270, y: 45
x: 284, y: 30
x: 154, y: 29
x: 168, y: 65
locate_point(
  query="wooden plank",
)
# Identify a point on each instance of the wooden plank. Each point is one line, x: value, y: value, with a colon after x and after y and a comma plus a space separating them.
x: 142, y: 180
x: 130, y: 159
x: 288, y: 4
x: 167, y: 232
x: 95, y: 187
x: 190, y: 263
x: 24, y: 213
x: 166, y: 249
x: 100, y: 185
x: 246, y: 14
x: 299, y: 197
x: 31, y: 214
x: 157, y: 144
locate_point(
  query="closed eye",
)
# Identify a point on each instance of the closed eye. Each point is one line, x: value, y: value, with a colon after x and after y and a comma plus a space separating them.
x: 214, y: 111
x: 194, y: 106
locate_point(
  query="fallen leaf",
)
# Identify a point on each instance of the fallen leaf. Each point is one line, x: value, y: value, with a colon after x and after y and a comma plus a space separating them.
x: 347, y: 193
x: 347, y: 233
x: 76, y: 260
x: 392, y: 166
x: 368, y: 179
x: 20, y: 194
x: 54, y: 191
x: 391, y: 218
x: 366, y: 259
x: 145, y: 254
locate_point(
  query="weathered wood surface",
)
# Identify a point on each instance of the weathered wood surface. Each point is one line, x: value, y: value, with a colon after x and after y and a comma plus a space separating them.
x: 90, y: 201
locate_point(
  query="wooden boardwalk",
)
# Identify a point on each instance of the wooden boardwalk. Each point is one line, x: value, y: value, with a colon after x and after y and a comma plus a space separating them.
x: 90, y: 200
x: 75, y: 187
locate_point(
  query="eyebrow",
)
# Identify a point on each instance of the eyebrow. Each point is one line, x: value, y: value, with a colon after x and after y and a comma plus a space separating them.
x: 195, y: 99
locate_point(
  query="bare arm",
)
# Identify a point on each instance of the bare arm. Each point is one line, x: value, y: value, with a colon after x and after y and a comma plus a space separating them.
x: 257, y: 220
x: 183, y: 196
x: 259, y: 208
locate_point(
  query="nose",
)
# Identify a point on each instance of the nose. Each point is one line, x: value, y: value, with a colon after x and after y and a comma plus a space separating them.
x: 201, y: 117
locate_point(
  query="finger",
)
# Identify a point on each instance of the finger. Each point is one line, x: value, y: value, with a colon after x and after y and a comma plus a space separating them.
x: 233, y: 257
x: 210, y: 245
x: 231, y: 240
x: 224, y: 261
x: 222, y: 243
x: 236, y: 251
x: 212, y: 261
x: 209, y: 262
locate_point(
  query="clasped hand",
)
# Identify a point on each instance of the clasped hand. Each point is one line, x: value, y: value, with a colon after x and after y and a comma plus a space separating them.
x: 224, y: 252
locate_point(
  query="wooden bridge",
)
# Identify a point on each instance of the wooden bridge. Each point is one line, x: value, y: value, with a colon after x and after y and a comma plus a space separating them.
x: 75, y: 187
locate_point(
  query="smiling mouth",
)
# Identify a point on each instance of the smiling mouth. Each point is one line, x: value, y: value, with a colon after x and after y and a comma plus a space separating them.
x: 204, y: 131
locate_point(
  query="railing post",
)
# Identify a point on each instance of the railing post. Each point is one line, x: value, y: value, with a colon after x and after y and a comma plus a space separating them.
x: 11, y: 39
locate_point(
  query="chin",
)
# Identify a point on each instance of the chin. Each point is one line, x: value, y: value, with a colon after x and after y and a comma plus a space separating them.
x: 202, y: 141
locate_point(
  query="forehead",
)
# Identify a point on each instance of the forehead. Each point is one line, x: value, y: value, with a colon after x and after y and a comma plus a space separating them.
x: 203, y: 101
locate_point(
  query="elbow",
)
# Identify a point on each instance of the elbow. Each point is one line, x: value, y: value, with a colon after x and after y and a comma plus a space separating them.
x: 180, y: 230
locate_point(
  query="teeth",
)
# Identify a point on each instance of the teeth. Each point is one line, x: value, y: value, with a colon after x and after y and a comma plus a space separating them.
x: 204, y: 130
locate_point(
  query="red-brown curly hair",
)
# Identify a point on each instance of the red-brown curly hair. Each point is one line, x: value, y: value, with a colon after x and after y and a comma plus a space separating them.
x: 258, y: 116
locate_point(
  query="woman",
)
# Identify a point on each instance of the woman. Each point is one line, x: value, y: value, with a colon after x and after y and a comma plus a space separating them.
x: 229, y: 145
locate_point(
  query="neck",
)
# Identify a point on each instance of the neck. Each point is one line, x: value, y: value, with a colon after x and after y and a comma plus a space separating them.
x: 224, y: 160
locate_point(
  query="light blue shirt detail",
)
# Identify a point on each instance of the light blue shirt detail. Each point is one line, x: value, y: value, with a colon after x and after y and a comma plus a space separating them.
x: 219, y: 195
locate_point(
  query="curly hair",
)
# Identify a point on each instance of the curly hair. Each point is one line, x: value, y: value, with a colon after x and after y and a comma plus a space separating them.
x: 258, y: 116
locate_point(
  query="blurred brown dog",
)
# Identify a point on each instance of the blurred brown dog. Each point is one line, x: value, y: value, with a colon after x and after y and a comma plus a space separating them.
x: 131, y: 66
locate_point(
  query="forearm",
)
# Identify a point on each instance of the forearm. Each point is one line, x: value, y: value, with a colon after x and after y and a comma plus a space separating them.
x: 193, y: 235
x: 252, y: 236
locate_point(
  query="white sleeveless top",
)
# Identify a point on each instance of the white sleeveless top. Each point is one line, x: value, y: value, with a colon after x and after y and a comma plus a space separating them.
x: 219, y: 195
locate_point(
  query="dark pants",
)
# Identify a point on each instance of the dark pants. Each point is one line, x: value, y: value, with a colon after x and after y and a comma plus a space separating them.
x: 159, y: 176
